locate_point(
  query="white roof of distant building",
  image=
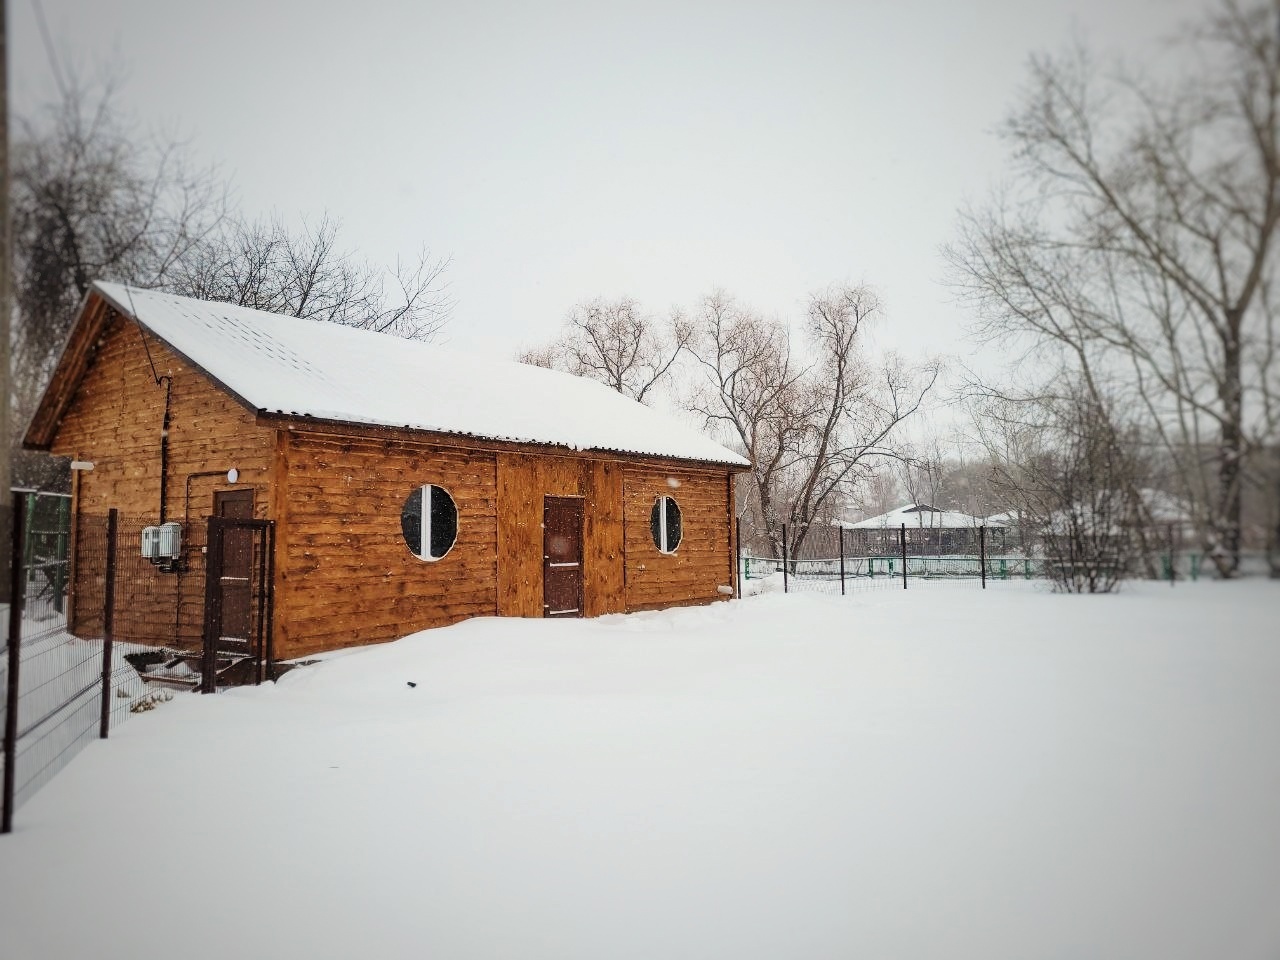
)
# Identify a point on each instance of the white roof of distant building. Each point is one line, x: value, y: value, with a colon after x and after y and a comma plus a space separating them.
x: 1165, y: 507
x: 1008, y: 518
x: 306, y: 368
x: 922, y: 516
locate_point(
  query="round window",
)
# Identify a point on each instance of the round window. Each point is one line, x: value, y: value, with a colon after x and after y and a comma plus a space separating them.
x: 429, y: 522
x: 665, y: 525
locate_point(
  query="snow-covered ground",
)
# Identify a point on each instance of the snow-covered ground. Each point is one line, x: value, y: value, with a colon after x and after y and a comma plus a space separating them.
x: 60, y: 699
x: 941, y: 773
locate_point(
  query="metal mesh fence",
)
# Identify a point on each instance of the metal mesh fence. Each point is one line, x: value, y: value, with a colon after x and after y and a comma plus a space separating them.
x: 60, y: 704
x: 61, y: 688
x: 45, y: 560
x: 831, y: 561
x: 156, y: 604
x: 98, y: 630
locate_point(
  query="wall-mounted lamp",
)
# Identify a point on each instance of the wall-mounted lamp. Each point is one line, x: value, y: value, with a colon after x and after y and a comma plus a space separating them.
x: 233, y: 475
x: 82, y: 465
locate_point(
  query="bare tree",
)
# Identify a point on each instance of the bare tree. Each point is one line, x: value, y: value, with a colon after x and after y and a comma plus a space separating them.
x: 617, y: 343
x: 751, y: 391
x: 94, y: 200
x: 263, y: 265
x: 967, y: 486
x: 879, y: 492
x: 923, y: 475
x: 1138, y: 244
x: 923, y: 479
x: 811, y: 427
x: 1069, y: 483
x: 91, y: 200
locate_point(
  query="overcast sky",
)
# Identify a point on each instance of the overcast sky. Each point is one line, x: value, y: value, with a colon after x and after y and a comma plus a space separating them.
x: 560, y: 151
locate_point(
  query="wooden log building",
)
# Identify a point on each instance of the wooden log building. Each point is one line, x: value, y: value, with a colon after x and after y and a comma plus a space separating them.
x: 409, y: 486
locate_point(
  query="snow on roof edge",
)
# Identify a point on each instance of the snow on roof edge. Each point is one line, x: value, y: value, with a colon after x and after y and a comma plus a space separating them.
x: 741, y: 464
x: 208, y: 335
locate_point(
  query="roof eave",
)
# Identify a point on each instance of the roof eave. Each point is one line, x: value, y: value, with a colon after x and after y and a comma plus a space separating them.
x: 278, y: 420
x: 65, y: 379
x: 77, y: 355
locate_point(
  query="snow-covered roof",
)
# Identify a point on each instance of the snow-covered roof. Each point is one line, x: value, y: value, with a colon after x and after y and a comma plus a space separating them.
x: 1008, y: 518
x: 1166, y: 507
x: 295, y: 367
x: 921, y: 515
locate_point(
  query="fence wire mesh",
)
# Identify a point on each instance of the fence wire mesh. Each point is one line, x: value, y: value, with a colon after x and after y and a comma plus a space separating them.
x: 67, y: 689
x: 100, y: 631
x: 830, y: 560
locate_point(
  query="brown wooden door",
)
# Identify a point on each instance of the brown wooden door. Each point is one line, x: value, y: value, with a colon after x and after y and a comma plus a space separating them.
x: 562, y: 557
x: 235, y: 578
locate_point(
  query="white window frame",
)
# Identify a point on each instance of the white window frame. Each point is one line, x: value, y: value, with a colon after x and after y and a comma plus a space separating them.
x: 662, y: 544
x: 424, y: 524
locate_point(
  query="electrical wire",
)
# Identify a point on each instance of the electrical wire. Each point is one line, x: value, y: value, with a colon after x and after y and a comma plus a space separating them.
x: 49, y: 50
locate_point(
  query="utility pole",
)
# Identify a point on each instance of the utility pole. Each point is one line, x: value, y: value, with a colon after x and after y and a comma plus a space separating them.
x: 6, y: 314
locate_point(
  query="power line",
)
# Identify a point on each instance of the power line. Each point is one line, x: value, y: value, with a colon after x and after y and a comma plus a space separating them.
x: 48, y: 47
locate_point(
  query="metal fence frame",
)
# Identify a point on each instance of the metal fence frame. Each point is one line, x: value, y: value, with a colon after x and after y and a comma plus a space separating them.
x: 58, y: 706
x: 837, y: 565
x: 65, y: 676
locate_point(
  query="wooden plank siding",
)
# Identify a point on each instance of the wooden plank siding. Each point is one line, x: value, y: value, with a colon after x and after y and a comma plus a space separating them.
x: 702, y: 562
x: 523, y: 482
x: 115, y: 420
x: 345, y: 574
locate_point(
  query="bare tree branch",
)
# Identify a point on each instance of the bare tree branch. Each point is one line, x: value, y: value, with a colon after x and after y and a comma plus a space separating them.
x: 813, y: 429
x: 617, y: 343
x: 1138, y: 248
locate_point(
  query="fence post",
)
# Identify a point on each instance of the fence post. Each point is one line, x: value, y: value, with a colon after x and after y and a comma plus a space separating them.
x: 902, y: 541
x: 841, y: 529
x: 785, y: 587
x: 271, y: 602
x: 108, y: 622
x: 16, y: 584
x: 63, y: 550
x: 737, y: 556
x: 28, y: 519
x: 982, y: 554
x: 212, y: 606
x: 260, y: 652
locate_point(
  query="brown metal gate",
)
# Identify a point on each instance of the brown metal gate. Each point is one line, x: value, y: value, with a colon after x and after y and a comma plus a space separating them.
x: 239, y: 573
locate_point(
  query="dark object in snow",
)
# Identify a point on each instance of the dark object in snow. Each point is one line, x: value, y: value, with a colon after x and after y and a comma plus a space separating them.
x: 412, y: 684
x: 144, y: 660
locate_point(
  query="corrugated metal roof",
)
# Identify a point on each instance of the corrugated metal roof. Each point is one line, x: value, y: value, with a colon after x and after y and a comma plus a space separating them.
x: 296, y: 367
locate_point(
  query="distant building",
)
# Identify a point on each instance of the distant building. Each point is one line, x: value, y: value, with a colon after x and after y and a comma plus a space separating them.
x: 929, y: 532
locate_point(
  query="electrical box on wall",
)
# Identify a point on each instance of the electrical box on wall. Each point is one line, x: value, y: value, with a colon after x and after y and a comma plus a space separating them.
x: 162, y: 543
x: 151, y: 543
x: 170, y: 540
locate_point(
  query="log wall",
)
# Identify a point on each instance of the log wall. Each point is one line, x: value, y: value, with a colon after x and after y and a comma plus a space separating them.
x: 523, y: 482
x: 702, y: 562
x: 115, y: 420
x: 344, y: 574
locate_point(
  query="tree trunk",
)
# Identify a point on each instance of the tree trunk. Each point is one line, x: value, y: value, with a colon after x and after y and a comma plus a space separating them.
x: 1227, y: 519
x: 1273, y: 548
